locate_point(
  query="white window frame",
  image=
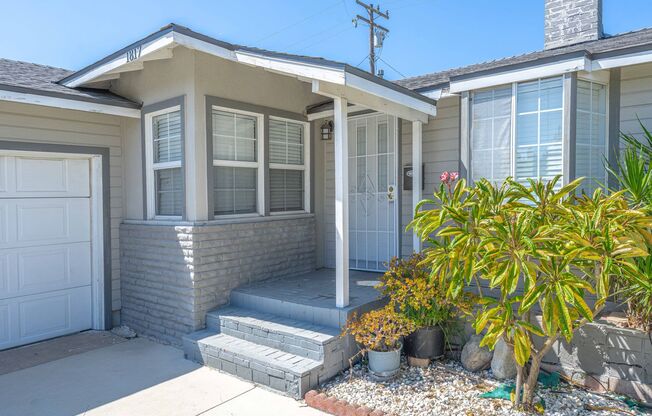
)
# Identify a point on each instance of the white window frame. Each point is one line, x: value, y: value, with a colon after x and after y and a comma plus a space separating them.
x: 151, y: 167
x: 513, y: 118
x: 305, y: 167
x: 605, y: 83
x: 259, y: 164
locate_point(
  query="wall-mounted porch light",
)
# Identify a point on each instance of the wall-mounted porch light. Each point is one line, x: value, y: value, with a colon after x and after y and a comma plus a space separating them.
x: 327, y: 130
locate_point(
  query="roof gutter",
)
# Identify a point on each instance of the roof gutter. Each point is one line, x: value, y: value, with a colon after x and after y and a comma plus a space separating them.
x: 53, y: 99
x: 517, y: 73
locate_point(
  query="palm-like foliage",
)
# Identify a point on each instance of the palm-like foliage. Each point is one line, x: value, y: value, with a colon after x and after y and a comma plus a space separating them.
x: 634, y: 177
x: 539, y: 250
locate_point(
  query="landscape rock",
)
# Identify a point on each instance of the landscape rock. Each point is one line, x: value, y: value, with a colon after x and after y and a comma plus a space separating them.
x: 447, y: 389
x: 124, y: 332
x: 476, y: 358
x: 503, y: 364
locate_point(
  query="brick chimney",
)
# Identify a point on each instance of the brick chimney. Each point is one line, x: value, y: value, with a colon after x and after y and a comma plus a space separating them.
x: 572, y: 21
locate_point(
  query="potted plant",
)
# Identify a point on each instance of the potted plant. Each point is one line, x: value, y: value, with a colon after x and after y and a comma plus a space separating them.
x: 419, y: 299
x: 380, y: 332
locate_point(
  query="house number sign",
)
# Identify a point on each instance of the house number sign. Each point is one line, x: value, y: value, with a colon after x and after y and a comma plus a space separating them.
x: 133, y: 54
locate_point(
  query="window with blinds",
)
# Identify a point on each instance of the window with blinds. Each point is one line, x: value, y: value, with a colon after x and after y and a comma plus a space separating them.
x: 591, y: 135
x: 287, y: 165
x: 539, y: 129
x: 235, y: 162
x: 491, y: 143
x: 167, y: 146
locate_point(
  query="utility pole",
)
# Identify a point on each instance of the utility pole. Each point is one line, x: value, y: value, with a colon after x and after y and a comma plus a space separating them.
x: 377, y: 32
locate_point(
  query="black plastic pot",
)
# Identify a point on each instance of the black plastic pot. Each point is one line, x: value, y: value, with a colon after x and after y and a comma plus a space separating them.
x: 425, y: 342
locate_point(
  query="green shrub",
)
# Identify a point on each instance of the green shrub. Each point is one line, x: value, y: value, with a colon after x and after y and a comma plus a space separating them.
x: 539, y: 248
x: 634, y: 177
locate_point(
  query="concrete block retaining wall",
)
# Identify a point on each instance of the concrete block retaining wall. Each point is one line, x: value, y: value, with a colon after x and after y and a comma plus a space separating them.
x: 173, y: 274
x: 601, y: 356
x: 606, y: 357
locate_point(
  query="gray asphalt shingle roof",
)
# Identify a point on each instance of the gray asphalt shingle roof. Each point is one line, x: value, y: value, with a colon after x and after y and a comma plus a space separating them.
x: 42, y: 79
x: 605, y: 46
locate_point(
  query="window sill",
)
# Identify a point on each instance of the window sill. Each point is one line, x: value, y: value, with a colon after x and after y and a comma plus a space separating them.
x: 224, y: 221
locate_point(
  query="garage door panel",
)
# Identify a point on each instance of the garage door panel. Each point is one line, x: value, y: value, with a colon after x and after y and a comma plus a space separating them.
x: 5, y: 274
x: 45, y: 247
x: 32, y: 222
x: 3, y: 175
x: 37, y: 177
x: 49, y: 268
x: 5, y: 334
x: 38, y: 317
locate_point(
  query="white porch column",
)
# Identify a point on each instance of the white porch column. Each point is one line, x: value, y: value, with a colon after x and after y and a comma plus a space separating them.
x: 341, y: 202
x: 417, y: 174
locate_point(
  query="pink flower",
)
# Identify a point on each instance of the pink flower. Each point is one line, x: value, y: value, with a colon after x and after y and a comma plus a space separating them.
x: 444, y: 177
x: 454, y: 176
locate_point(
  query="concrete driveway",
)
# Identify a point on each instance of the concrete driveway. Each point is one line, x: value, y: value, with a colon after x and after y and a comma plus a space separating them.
x: 137, y: 377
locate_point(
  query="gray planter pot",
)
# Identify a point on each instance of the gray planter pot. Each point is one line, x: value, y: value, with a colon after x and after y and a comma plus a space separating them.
x: 385, y: 364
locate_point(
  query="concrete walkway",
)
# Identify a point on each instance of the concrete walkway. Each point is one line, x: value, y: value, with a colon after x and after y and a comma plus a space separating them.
x: 137, y: 377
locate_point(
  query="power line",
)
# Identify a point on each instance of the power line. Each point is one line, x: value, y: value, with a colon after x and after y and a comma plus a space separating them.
x: 376, y: 32
x: 321, y: 32
x: 324, y: 39
x: 395, y: 70
x: 298, y: 22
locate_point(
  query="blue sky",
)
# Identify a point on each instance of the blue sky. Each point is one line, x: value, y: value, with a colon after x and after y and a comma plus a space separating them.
x: 426, y: 35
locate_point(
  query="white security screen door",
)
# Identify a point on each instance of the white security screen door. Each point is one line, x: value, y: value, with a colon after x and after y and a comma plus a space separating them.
x: 373, y: 196
x: 45, y: 248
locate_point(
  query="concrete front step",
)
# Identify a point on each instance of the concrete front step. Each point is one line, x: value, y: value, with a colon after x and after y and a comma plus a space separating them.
x: 290, y: 335
x: 319, y: 315
x: 288, y: 373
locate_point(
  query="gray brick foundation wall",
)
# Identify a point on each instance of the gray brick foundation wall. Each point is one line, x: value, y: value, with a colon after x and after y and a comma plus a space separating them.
x: 173, y: 274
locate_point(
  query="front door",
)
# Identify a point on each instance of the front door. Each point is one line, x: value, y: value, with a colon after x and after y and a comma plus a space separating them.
x: 373, y: 203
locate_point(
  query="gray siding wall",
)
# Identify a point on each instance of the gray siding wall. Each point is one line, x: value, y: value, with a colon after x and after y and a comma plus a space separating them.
x: 174, y: 274
x: 441, y: 152
x: 37, y: 124
x: 636, y: 98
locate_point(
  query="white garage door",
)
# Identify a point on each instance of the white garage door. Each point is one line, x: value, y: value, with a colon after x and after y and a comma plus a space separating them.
x: 45, y: 248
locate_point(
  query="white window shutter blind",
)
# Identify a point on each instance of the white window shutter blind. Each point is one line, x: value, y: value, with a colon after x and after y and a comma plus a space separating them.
x: 287, y: 165
x: 235, y: 142
x: 591, y: 134
x: 167, y: 137
x: 168, y: 153
x: 491, y: 134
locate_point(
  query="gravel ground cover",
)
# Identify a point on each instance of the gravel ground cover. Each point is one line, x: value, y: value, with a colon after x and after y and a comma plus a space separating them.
x: 446, y: 388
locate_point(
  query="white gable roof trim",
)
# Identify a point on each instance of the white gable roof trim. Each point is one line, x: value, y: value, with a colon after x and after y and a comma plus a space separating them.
x: 303, y: 67
x: 574, y: 64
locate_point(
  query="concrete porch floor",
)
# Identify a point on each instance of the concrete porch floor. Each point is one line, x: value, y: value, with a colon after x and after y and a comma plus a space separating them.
x: 136, y: 377
x: 317, y: 288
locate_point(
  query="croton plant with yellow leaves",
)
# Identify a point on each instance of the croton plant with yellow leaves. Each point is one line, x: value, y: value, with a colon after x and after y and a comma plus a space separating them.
x: 540, y: 249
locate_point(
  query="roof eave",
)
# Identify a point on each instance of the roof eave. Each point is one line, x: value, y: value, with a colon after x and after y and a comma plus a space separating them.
x: 304, y: 68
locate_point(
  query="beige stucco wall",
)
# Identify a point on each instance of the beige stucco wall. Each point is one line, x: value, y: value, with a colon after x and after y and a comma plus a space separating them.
x: 158, y: 81
x: 38, y: 124
x: 195, y: 75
